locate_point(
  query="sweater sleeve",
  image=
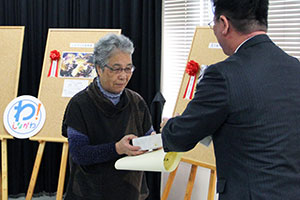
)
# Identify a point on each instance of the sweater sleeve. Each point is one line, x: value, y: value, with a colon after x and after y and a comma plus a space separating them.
x: 83, y: 153
x: 149, y: 131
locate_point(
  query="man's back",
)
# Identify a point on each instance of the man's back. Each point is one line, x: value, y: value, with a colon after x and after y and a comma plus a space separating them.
x: 257, y: 147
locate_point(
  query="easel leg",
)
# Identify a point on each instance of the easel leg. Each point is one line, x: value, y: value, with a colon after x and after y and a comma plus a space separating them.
x: 212, y: 185
x: 62, y: 172
x: 4, y: 187
x: 169, y: 185
x: 35, y: 171
x: 0, y: 185
x: 189, y: 187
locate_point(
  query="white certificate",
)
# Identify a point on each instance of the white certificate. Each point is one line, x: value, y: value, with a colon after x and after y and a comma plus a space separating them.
x: 156, y: 161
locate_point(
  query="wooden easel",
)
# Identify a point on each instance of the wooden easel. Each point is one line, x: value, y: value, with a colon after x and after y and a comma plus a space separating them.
x: 50, y: 94
x: 4, y: 185
x: 11, y: 52
x: 205, y: 51
x: 37, y: 163
x: 189, y: 188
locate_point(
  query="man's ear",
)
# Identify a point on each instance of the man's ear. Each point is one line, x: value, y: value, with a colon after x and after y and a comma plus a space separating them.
x: 225, y: 23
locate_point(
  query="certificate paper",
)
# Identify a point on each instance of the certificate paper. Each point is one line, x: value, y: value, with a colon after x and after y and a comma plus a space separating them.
x: 156, y: 161
x: 148, y: 142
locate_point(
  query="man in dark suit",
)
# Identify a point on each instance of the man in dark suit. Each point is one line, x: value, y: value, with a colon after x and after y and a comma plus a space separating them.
x: 250, y: 104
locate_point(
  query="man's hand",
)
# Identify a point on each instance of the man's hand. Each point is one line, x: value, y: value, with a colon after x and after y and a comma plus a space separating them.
x: 163, y: 123
x: 165, y: 120
x: 124, y: 147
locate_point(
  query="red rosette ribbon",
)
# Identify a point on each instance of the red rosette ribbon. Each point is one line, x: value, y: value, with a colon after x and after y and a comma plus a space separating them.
x: 54, y: 56
x: 192, y: 69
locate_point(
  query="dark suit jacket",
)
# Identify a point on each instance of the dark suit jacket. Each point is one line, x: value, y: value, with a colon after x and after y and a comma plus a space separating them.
x: 250, y: 104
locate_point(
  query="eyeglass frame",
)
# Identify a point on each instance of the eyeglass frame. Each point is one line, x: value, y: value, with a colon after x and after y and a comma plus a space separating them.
x: 120, y: 69
x: 211, y: 24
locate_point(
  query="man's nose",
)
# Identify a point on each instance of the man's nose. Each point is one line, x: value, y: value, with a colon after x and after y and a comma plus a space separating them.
x: 123, y: 74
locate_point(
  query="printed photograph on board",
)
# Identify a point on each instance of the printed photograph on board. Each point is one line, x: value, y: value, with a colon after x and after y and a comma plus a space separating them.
x: 77, y: 64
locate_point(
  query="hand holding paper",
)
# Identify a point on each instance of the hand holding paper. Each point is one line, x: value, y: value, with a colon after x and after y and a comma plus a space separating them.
x: 148, y: 142
x: 124, y: 147
x: 156, y: 160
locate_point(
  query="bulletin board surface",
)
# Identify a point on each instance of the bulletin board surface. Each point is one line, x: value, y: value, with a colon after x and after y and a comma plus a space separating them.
x: 11, y: 45
x: 205, y: 50
x: 51, y: 88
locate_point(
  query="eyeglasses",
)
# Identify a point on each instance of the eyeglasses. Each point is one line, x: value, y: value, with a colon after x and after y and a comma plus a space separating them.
x: 211, y: 24
x: 127, y: 70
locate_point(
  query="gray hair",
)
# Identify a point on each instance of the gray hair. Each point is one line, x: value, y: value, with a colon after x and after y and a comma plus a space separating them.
x: 107, y: 46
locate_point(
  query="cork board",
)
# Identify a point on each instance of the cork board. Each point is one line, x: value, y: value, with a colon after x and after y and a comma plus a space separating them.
x: 205, y: 51
x: 50, y: 89
x: 11, y: 45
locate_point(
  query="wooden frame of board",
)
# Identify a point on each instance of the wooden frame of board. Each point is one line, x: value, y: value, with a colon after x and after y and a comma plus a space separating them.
x: 11, y: 53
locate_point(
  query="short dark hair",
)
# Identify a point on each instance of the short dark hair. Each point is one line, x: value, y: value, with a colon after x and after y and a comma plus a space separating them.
x: 245, y: 15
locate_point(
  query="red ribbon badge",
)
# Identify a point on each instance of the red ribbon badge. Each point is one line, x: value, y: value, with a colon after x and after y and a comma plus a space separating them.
x: 55, y: 56
x: 192, y: 69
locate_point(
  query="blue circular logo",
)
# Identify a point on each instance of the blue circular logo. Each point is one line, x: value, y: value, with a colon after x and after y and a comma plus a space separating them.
x: 24, y: 116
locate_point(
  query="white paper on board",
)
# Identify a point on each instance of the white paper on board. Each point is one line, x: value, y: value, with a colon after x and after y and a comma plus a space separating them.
x: 213, y: 45
x: 71, y: 87
x: 156, y: 161
x: 81, y: 45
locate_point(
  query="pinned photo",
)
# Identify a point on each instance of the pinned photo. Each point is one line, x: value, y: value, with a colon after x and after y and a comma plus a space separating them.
x: 77, y: 64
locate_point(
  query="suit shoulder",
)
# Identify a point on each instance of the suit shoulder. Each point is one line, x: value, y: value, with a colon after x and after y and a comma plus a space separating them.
x: 229, y: 64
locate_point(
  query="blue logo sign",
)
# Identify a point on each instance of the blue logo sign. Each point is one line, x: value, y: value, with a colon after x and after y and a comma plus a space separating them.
x: 24, y: 117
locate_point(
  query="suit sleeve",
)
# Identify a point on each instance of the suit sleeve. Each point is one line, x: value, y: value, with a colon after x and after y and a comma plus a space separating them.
x: 204, y: 114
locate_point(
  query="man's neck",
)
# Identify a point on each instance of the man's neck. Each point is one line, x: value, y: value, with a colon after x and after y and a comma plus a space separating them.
x: 250, y: 35
x: 243, y: 38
